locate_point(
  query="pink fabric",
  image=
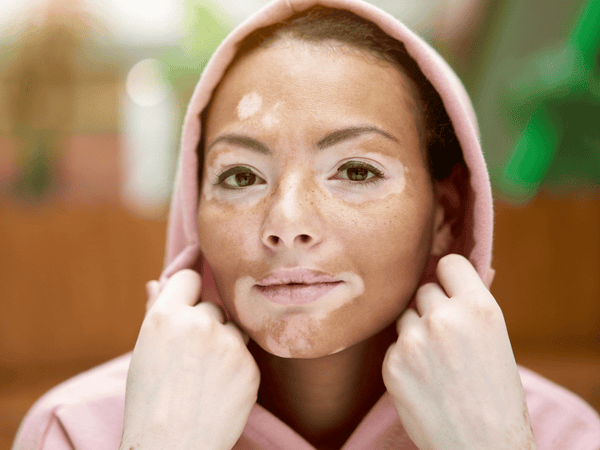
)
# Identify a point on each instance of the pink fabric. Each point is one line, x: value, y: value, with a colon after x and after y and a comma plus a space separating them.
x: 86, y: 412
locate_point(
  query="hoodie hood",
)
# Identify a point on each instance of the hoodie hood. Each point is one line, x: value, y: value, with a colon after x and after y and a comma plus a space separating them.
x: 475, y: 239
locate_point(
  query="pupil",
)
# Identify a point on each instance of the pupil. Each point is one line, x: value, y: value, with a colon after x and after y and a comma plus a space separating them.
x: 244, y: 178
x: 357, y: 174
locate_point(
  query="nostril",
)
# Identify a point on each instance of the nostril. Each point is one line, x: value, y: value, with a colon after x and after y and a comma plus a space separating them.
x: 304, y: 238
x: 274, y: 240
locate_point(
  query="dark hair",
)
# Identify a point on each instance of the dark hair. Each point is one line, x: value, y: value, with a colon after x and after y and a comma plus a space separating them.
x: 320, y: 24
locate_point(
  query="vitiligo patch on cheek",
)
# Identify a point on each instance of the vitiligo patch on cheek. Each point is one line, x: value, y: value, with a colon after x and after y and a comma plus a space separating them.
x: 249, y: 105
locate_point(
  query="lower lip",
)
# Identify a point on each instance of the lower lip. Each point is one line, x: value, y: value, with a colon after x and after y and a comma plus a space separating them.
x: 299, y: 294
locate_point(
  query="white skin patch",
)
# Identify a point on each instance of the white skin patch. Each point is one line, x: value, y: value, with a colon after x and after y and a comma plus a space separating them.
x: 293, y: 325
x: 394, y: 169
x: 249, y: 105
x: 222, y: 160
x: 270, y: 118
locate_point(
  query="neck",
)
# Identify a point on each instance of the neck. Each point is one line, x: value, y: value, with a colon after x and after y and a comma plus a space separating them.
x: 324, y: 398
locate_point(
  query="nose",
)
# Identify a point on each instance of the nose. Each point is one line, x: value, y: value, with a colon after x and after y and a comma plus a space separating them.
x: 293, y: 220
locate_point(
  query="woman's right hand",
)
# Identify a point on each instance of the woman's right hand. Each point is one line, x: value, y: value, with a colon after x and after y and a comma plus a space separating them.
x: 192, y: 381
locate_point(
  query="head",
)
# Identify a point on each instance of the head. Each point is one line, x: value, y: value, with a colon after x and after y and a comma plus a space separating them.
x: 324, y: 149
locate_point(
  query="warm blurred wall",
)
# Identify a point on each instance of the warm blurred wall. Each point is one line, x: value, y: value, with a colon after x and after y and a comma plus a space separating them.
x: 72, y: 295
x: 547, y: 261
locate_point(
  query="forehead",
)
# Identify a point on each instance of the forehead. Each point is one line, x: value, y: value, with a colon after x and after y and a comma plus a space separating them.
x: 314, y: 85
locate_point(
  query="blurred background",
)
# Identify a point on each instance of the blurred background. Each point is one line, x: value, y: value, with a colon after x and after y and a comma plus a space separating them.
x: 92, y: 96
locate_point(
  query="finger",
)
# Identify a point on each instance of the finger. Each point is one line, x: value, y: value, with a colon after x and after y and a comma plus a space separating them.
x: 458, y: 276
x: 183, y: 288
x: 239, y: 332
x: 213, y: 310
x: 152, y: 290
x: 428, y: 296
x: 409, y: 318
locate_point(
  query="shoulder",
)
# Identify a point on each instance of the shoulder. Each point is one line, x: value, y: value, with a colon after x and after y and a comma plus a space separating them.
x: 84, y: 412
x: 559, y: 418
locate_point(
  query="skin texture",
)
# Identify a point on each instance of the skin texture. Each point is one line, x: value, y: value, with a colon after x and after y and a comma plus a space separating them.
x: 447, y: 365
x: 451, y: 374
x: 299, y: 210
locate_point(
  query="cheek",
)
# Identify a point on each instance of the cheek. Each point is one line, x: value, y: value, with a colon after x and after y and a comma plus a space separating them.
x: 228, y: 229
x: 385, y: 232
x: 389, y: 245
x: 229, y: 240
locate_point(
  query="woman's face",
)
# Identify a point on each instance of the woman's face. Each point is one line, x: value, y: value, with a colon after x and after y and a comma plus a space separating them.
x: 316, y: 211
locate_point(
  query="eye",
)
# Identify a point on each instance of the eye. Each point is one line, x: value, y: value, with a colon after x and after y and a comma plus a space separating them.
x: 238, y: 177
x: 357, y: 172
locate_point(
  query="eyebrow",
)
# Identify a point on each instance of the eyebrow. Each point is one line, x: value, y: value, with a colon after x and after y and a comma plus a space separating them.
x: 351, y: 133
x: 240, y: 141
x: 328, y: 141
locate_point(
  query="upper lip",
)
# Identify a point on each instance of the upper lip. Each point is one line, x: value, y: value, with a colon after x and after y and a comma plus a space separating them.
x: 296, y: 276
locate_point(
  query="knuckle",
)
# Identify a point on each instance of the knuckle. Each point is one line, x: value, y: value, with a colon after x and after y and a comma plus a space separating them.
x: 412, y: 343
x: 202, y: 322
x: 231, y: 340
x: 158, y: 317
x: 440, y: 320
x: 483, y: 306
x: 393, y: 362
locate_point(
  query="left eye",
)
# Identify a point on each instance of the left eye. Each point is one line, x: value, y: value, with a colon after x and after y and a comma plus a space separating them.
x: 358, y: 172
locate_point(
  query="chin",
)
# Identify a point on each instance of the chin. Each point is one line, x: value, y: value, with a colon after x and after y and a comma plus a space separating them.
x: 297, y: 347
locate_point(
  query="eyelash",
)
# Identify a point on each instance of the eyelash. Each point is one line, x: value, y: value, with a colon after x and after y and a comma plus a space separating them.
x: 377, y: 175
x: 232, y: 172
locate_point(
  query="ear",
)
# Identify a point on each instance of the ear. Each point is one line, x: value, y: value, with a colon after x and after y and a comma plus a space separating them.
x: 448, y: 213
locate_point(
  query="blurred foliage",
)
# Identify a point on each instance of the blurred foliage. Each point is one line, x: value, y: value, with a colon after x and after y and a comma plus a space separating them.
x: 40, y: 83
x: 538, y: 98
x: 561, y: 141
x: 205, y: 26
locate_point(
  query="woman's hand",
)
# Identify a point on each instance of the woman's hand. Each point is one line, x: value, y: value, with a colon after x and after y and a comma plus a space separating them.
x: 192, y: 381
x: 451, y: 374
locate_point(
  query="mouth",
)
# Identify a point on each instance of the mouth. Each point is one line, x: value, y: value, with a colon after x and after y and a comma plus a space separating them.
x: 296, y: 286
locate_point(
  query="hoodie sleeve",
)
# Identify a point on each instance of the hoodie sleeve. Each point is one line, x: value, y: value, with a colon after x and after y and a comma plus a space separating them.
x: 560, y: 420
x: 83, y: 413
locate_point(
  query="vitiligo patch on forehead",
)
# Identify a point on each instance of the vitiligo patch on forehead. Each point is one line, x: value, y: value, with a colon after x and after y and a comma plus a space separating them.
x: 271, y: 118
x: 249, y: 105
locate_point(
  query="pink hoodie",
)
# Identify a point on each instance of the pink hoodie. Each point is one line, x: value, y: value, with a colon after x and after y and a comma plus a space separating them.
x: 86, y: 412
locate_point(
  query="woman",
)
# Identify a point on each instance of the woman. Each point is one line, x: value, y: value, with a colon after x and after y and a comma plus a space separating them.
x: 333, y: 195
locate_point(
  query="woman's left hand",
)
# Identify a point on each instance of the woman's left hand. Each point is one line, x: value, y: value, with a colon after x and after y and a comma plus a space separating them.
x: 451, y: 374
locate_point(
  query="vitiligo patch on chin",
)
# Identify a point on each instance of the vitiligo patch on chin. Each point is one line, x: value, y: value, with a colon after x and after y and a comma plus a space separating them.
x: 286, y: 329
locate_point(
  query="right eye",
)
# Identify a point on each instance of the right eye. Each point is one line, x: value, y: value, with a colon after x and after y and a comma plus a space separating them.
x: 238, y: 178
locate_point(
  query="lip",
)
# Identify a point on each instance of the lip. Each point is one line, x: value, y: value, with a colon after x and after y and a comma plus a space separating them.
x: 296, y: 276
x: 296, y: 286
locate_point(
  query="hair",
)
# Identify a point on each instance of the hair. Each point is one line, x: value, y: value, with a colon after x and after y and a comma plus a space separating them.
x: 322, y: 25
